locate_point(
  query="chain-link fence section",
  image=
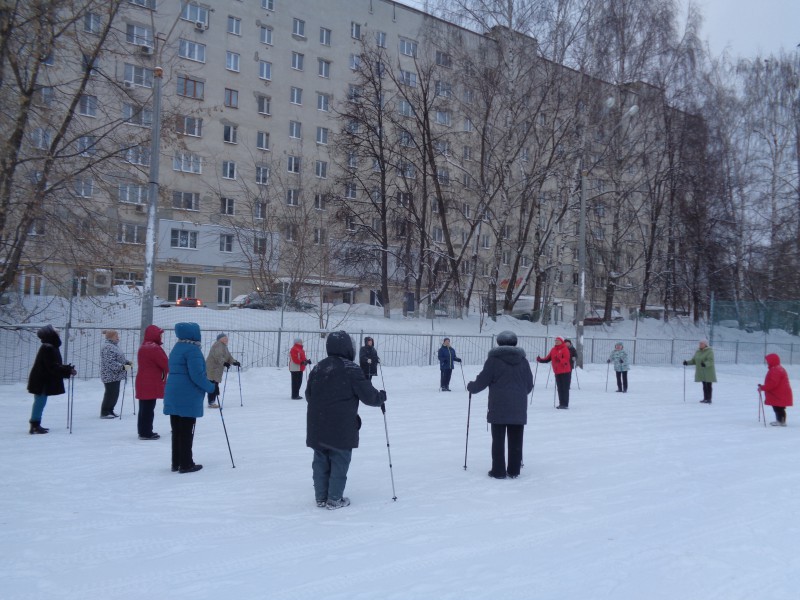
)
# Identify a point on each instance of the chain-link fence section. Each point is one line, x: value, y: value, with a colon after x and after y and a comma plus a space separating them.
x: 753, y: 316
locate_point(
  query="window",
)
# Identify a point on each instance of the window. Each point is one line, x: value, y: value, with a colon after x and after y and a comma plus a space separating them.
x: 87, y: 145
x: 137, y: 115
x: 268, y: 4
x: 228, y: 169
x: 265, y: 70
x: 181, y: 287
x: 260, y: 245
x: 355, y: 30
x: 324, y: 36
x: 234, y: 25
x: 151, y: 4
x: 297, y: 61
x: 192, y: 11
x: 223, y: 291
x: 467, y: 153
x: 466, y: 210
x: 442, y: 147
x: 408, y: 78
x: 260, y: 210
x: 262, y: 175
x: 132, y: 193
x: 524, y: 261
x: 192, y: 50
x: 231, y: 98
x: 324, y: 69
x: 136, y: 34
x: 380, y: 39
x: 49, y: 60
x: 290, y: 232
x: 293, y: 197
x: 355, y: 61
x: 405, y: 109
x: 322, y: 135
x: 262, y: 140
x: 407, y: 170
x: 438, y: 235
x: 138, y: 76
x: 443, y: 59
x: 321, y: 169
x: 354, y: 92
x: 408, y: 47
x: 230, y: 134
x: 485, y: 241
x: 350, y: 223
x: 296, y: 95
x: 505, y: 256
x: 84, y: 187
x: 186, y: 200
x: 443, y: 117
x: 299, y: 27
x: 232, y: 61
x: 44, y: 95
x: 264, y: 105
x: 293, y: 164
x: 128, y: 278
x: 227, y: 206
x: 137, y: 155
x: 130, y: 233
x: 319, y: 236
x: 323, y: 102
x: 406, y: 139
x: 190, y: 88
x: 294, y: 129
x: 404, y: 199
x: 87, y: 105
x: 189, y: 126
x: 180, y: 238
x: 319, y: 202
x: 352, y: 160
x: 443, y: 89
x: 187, y: 162
x: 350, y: 191
x: 91, y: 23
x: 266, y: 35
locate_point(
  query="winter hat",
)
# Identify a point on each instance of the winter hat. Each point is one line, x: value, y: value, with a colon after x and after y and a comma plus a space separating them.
x: 618, y: 344
x: 567, y: 341
x: 221, y: 335
x: 445, y: 340
x: 298, y: 341
x: 506, y: 338
x: 704, y: 341
x: 109, y: 333
x: 559, y: 339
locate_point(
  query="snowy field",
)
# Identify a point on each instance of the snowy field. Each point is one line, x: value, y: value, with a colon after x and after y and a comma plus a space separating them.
x: 634, y: 496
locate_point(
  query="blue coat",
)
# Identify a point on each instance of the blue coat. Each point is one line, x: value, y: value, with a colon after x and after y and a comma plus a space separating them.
x: 447, y: 356
x: 187, y: 382
x: 507, y: 374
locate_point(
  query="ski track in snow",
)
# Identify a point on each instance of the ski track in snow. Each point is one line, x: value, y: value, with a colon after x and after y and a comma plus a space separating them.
x: 637, y: 495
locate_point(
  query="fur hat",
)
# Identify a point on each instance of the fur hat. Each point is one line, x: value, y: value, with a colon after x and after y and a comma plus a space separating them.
x: 506, y: 338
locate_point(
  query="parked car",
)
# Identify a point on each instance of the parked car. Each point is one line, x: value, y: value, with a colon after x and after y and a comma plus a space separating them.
x: 274, y: 301
x: 239, y: 301
x: 596, y: 317
x: 189, y: 302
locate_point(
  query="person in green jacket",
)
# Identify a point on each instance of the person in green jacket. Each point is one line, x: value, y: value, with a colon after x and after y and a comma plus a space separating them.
x: 704, y: 372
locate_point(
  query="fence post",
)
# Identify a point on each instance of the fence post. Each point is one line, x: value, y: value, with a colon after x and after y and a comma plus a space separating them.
x: 278, y: 349
x: 430, y: 351
x: 672, y: 352
x: 634, y: 352
x: 736, y: 355
x: 592, y: 354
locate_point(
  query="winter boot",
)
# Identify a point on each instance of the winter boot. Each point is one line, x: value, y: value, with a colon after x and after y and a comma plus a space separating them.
x: 37, y: 428
x: 340, y: 503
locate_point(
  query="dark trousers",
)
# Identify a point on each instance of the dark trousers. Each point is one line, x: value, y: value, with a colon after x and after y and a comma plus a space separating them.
x: 212, y: 397
x: 182, y: 438
x: 515, y: 434
x: 706, y: 390
x: 109, y: 398
x: 622, y: 381
x: 144, y: 424
x: 563, y: 381
x: 780, y: 414
x: 444, y: 381
x: 329, y: 470
x: 297, y: 381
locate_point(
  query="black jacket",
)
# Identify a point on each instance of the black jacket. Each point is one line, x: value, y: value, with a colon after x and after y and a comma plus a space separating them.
x: 48, y: 373
x: 368, y: 352
x: 335, y: 386
x: 507, y: 374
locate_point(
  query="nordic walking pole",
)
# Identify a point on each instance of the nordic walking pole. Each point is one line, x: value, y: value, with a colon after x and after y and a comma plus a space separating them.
x: 761, y: 410
x: 70, y: 401
x: 464, y: 379
x: 124, y: 387
x: 608, y: 368
x: 555, y: 386
x: 578, y: 381
x: 388, y: 449
x: 239, y: 373
x: 225, y: 429
x: 684, y: 383
x: 469, y: 409
x: 224, y: 387
x: 547, y: 383
x: 133, y: 386
x: 535, y: 373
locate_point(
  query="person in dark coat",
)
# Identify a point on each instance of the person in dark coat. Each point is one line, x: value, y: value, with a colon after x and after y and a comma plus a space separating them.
x: 187, y: 385
x: 447, y: 359
x: 151, y: 379
x: 507, y: 374
x: 335, y: 386
x: 561, y: 361
x: 47, y: 375
x: 573, y: 353
x: 777, y: 389
x: 368, y: 358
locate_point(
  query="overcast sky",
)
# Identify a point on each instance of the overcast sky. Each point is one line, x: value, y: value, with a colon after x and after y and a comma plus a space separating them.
x: 744, y: 27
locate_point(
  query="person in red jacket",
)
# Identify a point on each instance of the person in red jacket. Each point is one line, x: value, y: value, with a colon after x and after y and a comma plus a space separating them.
x: 777, y: 389
x: 297, y: 364
x: 561, y: 361
x: 150, y: 380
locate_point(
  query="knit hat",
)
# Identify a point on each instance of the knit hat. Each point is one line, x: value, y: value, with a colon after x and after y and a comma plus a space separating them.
x: 506, y: 338
x: 221, y: 335
x: 560, y: 339
x: 704, y: 341
x: 298, y: 341
x: 618, y: 344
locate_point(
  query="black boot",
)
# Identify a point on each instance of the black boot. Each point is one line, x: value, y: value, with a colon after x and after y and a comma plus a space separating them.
x: 37, y: 428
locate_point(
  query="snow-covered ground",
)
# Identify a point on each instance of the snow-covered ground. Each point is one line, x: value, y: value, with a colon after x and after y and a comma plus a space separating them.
x: 624, y: 496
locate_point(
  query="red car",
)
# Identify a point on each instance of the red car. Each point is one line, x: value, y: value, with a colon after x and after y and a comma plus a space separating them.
x: 189, y: 302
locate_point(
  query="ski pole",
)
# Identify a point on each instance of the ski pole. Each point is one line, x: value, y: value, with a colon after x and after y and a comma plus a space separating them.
x: 535, y: 373
x: 608, y: 368
x: 469, y: 409
x: 239, y: 373
x: 464, y: 379
x: 122, y: 404
x: 761, y: 410
x: 225, y: 429
x: 383, y: 383
x: 224, y: 387
x: 578, y: 381
x: 388, y: 449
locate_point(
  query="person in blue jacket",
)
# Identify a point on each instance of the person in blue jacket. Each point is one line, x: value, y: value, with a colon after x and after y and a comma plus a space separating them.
x: 447, y: 359
x: 507, y: 374
x: 187, y: 385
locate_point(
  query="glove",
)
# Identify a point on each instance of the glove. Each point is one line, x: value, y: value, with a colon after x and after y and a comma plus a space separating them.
x: 369, y: 361
x: 127, y: 362
x: 457, y: 359
x: 382, y: 396
x: 538, y: 359
x: 227, y: 365
x: 608, y: 361
x: 760, y: 388
x: 308, y: 361
x: 128, y: 366
x: 236, y: 364
x: 73, y: 372
x: 622, y: 362
x: 702, y: 364
x: 686, y: 363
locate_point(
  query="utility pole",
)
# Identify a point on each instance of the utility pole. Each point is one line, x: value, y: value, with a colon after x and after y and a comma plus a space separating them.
x: 580, y: 308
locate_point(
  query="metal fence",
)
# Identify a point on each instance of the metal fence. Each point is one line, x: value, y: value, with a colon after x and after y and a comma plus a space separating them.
x: 270, y: 348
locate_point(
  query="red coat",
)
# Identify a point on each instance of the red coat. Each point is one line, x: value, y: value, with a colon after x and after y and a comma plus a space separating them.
x: 151, y: 376
x: 776, y: 386
x: 298, y: 356
x: 560, y: 357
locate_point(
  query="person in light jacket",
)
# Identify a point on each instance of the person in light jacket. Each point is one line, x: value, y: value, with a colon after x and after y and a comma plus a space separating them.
x: 151, y: 379
x: 297, y: 365
x: 219, y: 358
x: 777, y: 390
x: 113, y: 370
x: 368, y: 358
x: 507, y: 374
x: 619, y: 357
x: 47, y: 375
x: 704, y: 371
x: 561, y: 361
x: 187, y: 384
x: 447, y: 359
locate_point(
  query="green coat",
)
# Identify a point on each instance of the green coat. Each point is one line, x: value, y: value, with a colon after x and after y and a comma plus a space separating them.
x: 701, y: 373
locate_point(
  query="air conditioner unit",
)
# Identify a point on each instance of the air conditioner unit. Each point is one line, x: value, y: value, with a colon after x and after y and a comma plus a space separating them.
x: 141, y: 208
x: 101, y: 279
x: 127, y: 84
x: 200, y: 25
x: 146, y: 50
